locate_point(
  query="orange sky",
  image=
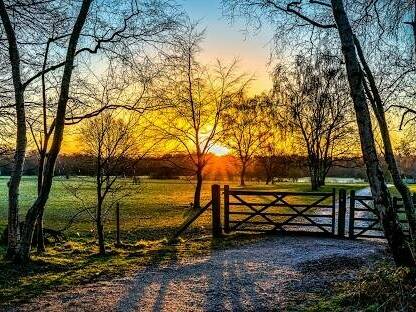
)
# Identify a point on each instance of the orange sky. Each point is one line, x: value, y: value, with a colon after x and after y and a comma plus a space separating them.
x: 225, y: 42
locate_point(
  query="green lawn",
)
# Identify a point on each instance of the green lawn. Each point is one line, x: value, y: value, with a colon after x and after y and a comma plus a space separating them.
x: 151, y: 210
x: 149, y: 214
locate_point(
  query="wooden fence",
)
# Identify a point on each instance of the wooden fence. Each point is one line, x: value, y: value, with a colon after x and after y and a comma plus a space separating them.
x: 317, y: 213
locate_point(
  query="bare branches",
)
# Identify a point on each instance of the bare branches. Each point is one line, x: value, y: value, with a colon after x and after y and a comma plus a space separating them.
x: 315, y: 102
x: 248, y: 129
x: 408, y: 115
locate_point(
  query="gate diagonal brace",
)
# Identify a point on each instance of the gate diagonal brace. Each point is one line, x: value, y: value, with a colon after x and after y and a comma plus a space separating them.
x: 369, y: 228
x: 257, y: 212
x: 301, y: 213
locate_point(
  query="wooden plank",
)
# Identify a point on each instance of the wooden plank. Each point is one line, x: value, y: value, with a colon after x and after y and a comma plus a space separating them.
x: 189, y: 221
x: 367, y: 228
x: 366, y: 219
x: 226, y: 209
x: 288, y: 232
x: 364, y: 209
x: 291, y: 223
x: 216, y: 210
x: 342, y: 210
x: 278, y: 205
x: 276, y: 214
x: 363, y: 197
x: 352, y: 213
x: 271, y: 193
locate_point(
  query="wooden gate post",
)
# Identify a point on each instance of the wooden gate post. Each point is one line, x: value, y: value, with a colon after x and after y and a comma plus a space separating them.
x: 334, y: 196
x: 226, y: 209
x: 342, y: 210
x: 216, y: 210
x: 118, y: 240
x: 352, y: 213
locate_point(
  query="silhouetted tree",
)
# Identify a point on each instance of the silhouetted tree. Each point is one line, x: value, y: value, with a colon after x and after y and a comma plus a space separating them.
x: 196, y: 97
x: 314, y: 100
x: 331, y: 19
x: 110, y: 141
x: 62, y: 27
x: 248, y: 129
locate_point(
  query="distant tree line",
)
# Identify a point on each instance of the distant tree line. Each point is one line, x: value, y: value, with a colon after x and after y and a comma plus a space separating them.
x: 262, y: 168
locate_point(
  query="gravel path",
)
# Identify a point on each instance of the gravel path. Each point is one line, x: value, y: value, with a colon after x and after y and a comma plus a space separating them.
x: 268, y: 275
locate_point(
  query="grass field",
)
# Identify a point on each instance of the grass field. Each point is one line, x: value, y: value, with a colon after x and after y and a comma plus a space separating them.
x: 151, y: 210
x: 151, y: 213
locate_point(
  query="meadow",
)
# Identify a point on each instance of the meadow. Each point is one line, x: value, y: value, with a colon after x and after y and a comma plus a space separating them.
x: 149, y: 210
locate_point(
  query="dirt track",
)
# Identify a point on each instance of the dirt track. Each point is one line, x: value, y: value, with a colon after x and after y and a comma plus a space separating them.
x: 269, y: 275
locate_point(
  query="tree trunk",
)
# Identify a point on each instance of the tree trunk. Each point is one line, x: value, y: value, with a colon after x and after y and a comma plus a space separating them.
x: 198, y: 188
x: 268, y: 169
x: 40, y: 235
x: 40, y: 238
x: 21, y: 140
x: 100, y: 228
x: 33, y: 213
x: 314, y: 173
x: 243, y: 173
x: 323, y: 170
x: 389, y: 157
x: 382, y: 199
x: 267, y: 180
x: 314, y: 183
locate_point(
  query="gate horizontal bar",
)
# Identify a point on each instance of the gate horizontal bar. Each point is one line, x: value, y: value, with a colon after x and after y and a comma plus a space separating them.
x: 281, y: 214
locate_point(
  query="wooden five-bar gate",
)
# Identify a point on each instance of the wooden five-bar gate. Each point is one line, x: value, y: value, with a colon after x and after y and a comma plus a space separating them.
x: 316, y: 213
x: 273, y: 211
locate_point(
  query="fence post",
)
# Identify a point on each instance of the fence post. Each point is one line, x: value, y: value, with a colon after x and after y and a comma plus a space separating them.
x: 216, y: 210
x: 334, y: 196
x: 395, y: 204
x: 118, y: 241
x: 352, y: 213
x: 342, y: 210
x: 226, y: 209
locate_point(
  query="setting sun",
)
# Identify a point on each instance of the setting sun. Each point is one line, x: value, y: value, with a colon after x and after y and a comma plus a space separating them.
x: 220, y: 150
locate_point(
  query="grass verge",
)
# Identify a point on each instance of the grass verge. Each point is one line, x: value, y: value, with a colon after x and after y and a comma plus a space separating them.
x: 382, y: 288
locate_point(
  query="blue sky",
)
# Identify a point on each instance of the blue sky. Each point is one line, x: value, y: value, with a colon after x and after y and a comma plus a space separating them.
x: 226, y: 42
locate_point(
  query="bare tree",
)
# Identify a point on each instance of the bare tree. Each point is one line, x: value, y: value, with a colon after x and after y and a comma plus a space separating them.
x: 119, y: 87
x: 248, y: 129
x: 314, y: 100
x: 110, y: 141
x: 328, y: 16
x: 51, y: 24
x: 196, y: 97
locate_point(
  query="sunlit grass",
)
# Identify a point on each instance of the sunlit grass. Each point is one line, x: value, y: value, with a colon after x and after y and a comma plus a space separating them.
x: 150, y: 214
x: 152, y: 210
